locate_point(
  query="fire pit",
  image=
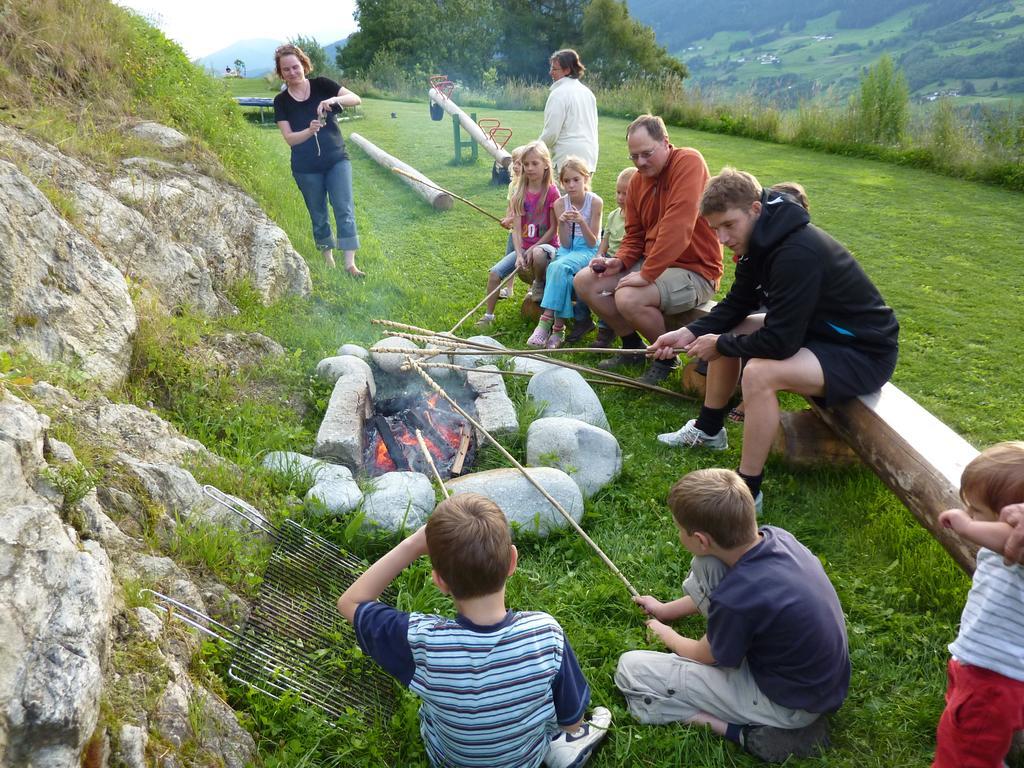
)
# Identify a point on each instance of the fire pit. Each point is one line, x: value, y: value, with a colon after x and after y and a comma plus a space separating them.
x: 391, y: 443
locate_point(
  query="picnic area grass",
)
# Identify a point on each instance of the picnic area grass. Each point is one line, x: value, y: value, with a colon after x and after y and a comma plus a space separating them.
x: 942, y: 251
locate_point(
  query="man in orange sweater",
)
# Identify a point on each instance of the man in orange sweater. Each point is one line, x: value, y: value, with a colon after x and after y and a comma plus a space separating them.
x: 669, y: 260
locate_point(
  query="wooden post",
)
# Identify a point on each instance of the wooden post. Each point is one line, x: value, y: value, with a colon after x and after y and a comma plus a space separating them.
x: 500, y: 156
x: 438, y: 198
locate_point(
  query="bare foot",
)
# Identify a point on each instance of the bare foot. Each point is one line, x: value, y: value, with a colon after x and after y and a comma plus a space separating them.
x: 328, y: 257
x: 355, y: 271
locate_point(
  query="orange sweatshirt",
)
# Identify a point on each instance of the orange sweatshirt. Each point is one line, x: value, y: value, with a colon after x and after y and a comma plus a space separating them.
x: 663, y: 223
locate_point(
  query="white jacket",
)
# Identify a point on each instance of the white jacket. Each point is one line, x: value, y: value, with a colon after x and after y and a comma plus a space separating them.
x: 570, y: 122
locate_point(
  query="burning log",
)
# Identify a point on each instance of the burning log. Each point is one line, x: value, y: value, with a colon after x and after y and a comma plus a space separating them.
x: 460, y: 455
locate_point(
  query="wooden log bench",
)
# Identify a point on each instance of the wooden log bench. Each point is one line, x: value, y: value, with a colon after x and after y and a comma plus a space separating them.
x: 918, y: 457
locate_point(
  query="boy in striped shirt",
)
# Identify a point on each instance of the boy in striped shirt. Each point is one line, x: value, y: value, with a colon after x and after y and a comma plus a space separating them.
x: 499, y: 687
x: 985, y: 696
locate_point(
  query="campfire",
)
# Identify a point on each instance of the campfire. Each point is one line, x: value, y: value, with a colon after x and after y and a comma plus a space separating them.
x: 391, y: 443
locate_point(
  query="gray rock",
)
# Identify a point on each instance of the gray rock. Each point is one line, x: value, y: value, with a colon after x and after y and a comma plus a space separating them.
x: 316, y: 470
x: 59, y: 452
x: 136, y: 432
x: 591, y: 456
x: 341, y: 432
x: 167, y: 484
x: 224, y: 229
x: 21, y: 450
x: 131, y: 746
x: 56, y: 601
x: 486, y: 379
x: 475, y: 359
x: 529, y: 365
x: 96, y: 525
x: 521, y: 502
x: 64, y: 302
x: 563, y: 392
x: 496, y: 413
x: 150, y: 625
x: 399, y: 500
x: 355, y: 350
x: 330, y: 369
x: 337, y: 497
x: 160, y: 573
x: 391, y: 362
x: 161, y: 135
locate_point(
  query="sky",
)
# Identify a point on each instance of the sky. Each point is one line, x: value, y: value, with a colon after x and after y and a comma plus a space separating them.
x: 203, y: 27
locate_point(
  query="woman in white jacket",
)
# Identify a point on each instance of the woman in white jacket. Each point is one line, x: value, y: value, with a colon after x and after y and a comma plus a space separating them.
x: 570, y: 114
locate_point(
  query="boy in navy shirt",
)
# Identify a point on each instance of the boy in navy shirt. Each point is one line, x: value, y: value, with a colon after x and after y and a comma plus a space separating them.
x: 499, y: 687
x: 774, y: 658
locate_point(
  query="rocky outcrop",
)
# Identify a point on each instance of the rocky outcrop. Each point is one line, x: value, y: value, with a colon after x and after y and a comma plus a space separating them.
x: 182, y: 236
x: 62, y: 300
x: 56, y: 599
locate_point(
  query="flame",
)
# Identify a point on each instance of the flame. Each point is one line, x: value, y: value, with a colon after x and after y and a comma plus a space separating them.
x: 381, y: 458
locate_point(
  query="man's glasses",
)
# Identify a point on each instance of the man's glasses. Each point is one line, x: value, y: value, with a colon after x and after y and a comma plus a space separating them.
x: 646, y: 154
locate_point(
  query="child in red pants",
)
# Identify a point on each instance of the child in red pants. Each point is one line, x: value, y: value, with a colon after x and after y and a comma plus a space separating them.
x: 985, y: 697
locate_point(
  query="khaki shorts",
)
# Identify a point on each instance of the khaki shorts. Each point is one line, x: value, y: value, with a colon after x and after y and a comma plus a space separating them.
x: 680, y: 290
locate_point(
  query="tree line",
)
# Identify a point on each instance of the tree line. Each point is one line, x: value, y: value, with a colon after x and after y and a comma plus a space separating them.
x: 480, y: 42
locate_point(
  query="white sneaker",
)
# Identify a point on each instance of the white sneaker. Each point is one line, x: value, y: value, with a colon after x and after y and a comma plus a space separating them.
x: 571, y: 750
x: 690, y: 437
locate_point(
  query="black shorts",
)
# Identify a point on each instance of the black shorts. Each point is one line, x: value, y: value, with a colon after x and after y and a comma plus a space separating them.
x: 850, y: 372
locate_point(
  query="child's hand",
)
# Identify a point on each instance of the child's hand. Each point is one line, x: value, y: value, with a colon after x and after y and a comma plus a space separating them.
x: 507, y: 222
x: 659, y: 630
x: 651, y: 605
x: 955, y: 519
x: 1014, y: 550
x: 571, y: 215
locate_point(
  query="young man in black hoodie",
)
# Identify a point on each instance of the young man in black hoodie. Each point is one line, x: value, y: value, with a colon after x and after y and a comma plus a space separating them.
x: 826, y: 332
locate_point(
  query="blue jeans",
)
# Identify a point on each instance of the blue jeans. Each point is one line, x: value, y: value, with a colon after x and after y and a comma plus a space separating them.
x: 336, y: 181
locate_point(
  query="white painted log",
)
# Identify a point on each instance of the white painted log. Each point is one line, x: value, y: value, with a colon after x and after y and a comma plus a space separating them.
x: 439, y: 199
x: 500, y: 155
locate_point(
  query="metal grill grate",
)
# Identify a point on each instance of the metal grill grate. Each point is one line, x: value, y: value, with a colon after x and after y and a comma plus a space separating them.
x: 294, y: 639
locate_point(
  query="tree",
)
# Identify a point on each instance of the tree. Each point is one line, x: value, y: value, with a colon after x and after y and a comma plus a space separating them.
x: 240, y: 67
x: 882, y: 107
x: 313, y: 49
x: 619, y: 47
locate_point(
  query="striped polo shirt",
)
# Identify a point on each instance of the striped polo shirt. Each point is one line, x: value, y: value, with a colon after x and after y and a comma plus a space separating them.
x: 992, y: 625
x: 492, y: 695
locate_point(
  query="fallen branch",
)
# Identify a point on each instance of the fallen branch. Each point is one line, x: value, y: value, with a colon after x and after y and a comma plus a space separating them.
x: 551, y: 499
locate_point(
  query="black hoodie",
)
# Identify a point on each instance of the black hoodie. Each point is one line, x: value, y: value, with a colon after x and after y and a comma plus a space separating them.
x: 812, y: 287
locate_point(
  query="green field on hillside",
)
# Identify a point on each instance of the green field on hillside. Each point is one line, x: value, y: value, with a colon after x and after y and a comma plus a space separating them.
x: 822, y: 60
x: 941, y: 252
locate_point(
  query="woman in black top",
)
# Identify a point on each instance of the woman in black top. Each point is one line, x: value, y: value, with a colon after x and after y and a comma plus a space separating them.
x: 305, y: 113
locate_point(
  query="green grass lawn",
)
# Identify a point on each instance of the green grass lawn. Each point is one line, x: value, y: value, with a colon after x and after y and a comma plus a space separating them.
x: 943, y: 252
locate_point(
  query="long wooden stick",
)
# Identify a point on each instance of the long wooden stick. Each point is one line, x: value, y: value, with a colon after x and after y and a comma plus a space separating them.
x: 430, y: 461
x: 470, y: 203
x: 498, y: 352
x: 528, y: 374
x: 483, y: 301
x: 551, y: 499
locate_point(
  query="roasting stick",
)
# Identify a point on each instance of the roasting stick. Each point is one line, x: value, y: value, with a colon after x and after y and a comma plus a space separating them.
x: 470, y: 203
x: 410, y: 362
x: 483, y: 301
x: 527, y: 374
x: 430, y: 461
x: 441, y: 338
x: 607, y: 377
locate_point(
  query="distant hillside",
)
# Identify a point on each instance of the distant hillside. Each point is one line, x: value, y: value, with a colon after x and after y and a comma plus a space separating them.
x: 331, y: 51
x: 789, y: 50
x: 257, y: 53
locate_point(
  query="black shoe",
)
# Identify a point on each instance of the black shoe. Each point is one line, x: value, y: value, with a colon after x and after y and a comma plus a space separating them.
x: 702, y: 367
x: 776, y: 745
x: 659, y: 371
x: 605, y: 337
x: 579, y: 329
x: 620, y: 360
